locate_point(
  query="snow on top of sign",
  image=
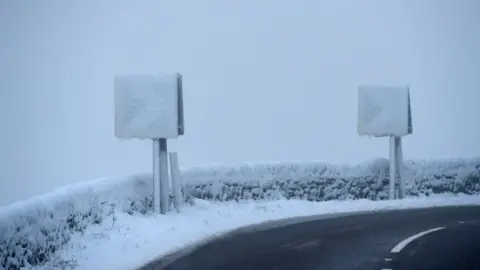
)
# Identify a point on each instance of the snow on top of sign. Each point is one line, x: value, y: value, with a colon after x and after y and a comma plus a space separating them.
x: 146, y: 106
x: 383, y: 111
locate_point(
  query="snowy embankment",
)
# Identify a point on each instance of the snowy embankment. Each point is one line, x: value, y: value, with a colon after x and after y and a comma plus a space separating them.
x: 69, y: 226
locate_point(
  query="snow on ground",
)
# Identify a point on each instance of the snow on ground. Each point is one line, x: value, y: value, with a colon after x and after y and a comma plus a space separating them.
x: 133, y: 240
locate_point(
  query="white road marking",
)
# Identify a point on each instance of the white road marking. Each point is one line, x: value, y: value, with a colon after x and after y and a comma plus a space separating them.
x: 407, y: 241
x: 470, y: 222
x: 309, y: 244
x: 461, y: 222
x: 387, y: 269
x: 388, y: 259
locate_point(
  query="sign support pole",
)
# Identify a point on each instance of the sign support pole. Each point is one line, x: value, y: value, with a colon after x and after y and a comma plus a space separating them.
x: 400, y: 167
x: 393, y: 168
x: 176, y: 180
x: 156, y: 175
x: 160, y: 176
x: 164, y: 187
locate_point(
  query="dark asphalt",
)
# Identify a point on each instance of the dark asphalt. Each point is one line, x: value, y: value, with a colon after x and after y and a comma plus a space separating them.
x: 361, y: 241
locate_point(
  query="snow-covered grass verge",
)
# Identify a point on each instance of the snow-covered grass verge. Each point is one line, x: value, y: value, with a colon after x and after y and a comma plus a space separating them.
x: 136, y: 240
x: 33, y: 230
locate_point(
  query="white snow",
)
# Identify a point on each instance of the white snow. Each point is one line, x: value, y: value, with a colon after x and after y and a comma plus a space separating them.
x: 136, y: 240
x: 146, y: 106
x: 383, y: 111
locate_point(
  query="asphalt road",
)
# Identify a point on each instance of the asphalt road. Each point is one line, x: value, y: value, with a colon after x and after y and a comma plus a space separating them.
x: 361, y: 241
x: 455, y: 247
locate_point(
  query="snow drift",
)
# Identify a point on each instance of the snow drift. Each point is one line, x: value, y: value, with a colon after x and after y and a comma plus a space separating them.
x: 33, y: 230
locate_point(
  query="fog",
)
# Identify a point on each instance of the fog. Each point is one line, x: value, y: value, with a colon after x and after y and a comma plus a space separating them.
x: 263, y: 81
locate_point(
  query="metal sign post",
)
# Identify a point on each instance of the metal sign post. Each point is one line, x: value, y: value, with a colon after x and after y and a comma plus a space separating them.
x: 176, y: 180
x: 150, y: 106
x: 156, y: 176
x: 393, y: 168
x: 160, y: 176
x: 164, y: 188
x: 400, y: 166
x: 386, y: 112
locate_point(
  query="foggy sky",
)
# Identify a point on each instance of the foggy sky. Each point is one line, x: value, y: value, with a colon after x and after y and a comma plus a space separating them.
x: 263, y: 81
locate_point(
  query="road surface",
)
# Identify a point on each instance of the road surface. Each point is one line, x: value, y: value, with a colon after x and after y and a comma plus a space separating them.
x: 385, y: 240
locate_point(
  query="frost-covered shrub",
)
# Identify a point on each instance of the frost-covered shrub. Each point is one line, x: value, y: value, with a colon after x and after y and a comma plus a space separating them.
x: 33, y: 230
x: 32, y: 233
x: 321, y: 181
x: 468, y: 181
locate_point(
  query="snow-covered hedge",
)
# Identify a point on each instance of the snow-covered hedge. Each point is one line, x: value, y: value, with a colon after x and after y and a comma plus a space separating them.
x: 317, y: 181
x: 33, y: 230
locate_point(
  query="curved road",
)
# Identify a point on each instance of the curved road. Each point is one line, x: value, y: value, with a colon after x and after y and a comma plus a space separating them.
x: 362, y: 241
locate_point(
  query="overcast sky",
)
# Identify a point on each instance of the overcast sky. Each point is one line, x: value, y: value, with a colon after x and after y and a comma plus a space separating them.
x: 263, y: 81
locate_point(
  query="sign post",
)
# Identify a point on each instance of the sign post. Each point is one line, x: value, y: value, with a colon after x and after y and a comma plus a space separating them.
x: 160, y: 175
x: 176, y: 180
x: 156, y: 176
x: 386, y: 112
x: 150, y: 106
x: 400, y: 166
x: 393, y: 168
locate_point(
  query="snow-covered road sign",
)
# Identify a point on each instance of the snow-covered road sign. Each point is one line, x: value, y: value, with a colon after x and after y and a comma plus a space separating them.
x: 148, y: 106
x: 384, y: 111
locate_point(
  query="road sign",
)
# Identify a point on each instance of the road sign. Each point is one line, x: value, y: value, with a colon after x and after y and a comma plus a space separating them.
x: 384, y: 111
x: 150, y: 106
